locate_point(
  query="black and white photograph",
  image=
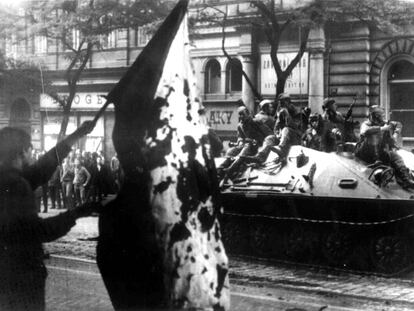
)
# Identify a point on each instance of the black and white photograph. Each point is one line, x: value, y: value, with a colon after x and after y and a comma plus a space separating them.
x: 216, y: 155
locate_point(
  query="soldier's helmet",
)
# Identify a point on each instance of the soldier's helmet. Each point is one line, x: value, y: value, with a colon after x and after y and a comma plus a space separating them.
x: 264, y: 103
x: 327, y: 103
x: 314, y: 117
x: 283, y: 96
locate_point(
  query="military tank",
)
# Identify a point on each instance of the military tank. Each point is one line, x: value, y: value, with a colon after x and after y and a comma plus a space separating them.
x: 321, y: 208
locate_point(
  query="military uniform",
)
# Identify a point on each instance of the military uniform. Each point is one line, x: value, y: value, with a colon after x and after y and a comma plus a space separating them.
x: 377, y: 144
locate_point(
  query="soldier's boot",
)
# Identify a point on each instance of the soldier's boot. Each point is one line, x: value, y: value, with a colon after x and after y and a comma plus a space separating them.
x: 232, y: 169
x: 258, y: 158
x: 403, y: 175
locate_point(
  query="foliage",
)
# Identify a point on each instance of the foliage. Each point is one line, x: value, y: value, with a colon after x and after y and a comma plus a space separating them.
x: 274, y: 21
x: 80, y: 27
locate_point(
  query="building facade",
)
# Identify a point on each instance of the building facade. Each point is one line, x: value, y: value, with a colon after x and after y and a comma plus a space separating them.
x: 347, y: 61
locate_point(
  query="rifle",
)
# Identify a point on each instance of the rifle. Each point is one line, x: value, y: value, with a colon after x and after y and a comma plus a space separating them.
x: 348, y: 115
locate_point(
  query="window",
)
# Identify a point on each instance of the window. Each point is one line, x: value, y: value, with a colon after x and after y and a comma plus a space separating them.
x: 142, y: 37
x: 108, y: 41
x: 234, y: 74
x: 212, y: 77
x: 40, y: 44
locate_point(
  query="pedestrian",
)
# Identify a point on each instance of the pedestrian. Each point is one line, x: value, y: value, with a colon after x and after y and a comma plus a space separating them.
x: 116, y: 172
x: 55, y: 189
x: 22, y: 231
x: 66, y: 178
x: 80, y: 180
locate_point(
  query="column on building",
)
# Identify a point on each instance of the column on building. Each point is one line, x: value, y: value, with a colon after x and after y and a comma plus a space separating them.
x: 316, y: 46
x: 247, y: 92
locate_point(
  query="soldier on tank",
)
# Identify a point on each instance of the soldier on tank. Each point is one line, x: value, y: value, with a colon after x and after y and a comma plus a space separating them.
x: 251, y: 134
x: 264, y: 114
x: 333, y: 126
x: 313, y: 136
x: 377, y: 144
x: 288, y: 130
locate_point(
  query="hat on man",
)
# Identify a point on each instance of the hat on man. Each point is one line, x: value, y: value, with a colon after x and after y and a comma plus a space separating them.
x: 327, y: 102
x: 375, y: 109
x: 265, y: 102
x: 283, y: 96
x: 242, y: 109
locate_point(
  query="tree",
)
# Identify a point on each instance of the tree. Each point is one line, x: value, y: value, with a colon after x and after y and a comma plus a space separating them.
x: 275, y: 22
x: 80, y: 27
x: 386, y: 15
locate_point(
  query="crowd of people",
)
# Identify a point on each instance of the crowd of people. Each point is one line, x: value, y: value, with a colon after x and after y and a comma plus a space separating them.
x: 81, y: 177
x: 277, y: 128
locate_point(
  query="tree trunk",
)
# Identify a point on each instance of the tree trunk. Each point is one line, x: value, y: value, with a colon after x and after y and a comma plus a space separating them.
x: 280, y: 85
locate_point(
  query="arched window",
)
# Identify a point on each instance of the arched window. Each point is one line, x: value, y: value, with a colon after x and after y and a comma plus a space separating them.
x: 20, y: 115
x: 234, y: 76
x: 212, y: 77
x: 401, y: 90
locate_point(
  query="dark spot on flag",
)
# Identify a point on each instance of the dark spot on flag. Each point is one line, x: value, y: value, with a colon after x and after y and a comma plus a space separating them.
x: 177, y: 213
x: 221, y: 276
x: 218, y: 249
x: 189, y: 117
x: 179, y: 233
x: 217, y: 307
x: 217, y: 232
x: 206, y: 256
x: 206, y: 219
x: 208, y: 236
x: 204, y: 270
x: 193, y: 260
x: 186, y: 257
x: 189, y: 277
x: 186, y: 89
x: 189, y: 249
x: 212, y: 285
x: 174, y: 165
x: 162, y: 186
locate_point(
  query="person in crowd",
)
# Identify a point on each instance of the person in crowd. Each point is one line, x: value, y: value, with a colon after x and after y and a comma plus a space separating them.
x: 313, y: 135
x: 115, y: 167
x: 80, y: 180
x: 22, y: 231
x: 288, y: 131
x: 94, y: 187
x: 44, y: 189
x: 251, y: 134
x: 377, y: 144
x: 264, y: 115
x: 55, y: 189
x: 67, y: 175
x: 104, y: 178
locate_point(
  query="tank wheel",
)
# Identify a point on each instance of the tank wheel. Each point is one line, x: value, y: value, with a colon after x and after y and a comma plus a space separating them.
x: 259, y: 239
x: 234, y: 235
x: 337, y: 248
x: 390, y: 254
x: 298, y: 243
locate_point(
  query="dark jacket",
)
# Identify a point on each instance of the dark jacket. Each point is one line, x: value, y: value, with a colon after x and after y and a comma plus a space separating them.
x: 22, y: 232
x: 253, y: 129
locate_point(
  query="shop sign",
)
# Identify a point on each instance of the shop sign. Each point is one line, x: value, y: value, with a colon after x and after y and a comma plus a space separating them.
x: 297, y: 82
x: 222, y: 117
x: 80, y: 101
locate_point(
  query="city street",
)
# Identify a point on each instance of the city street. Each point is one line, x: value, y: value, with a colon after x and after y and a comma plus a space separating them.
x: 75, y: 283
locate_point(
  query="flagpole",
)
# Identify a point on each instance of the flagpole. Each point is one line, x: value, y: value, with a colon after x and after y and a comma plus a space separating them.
x: 101, y: 111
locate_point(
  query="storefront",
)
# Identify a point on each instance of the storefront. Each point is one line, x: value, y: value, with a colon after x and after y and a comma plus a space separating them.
x: 84, y: 107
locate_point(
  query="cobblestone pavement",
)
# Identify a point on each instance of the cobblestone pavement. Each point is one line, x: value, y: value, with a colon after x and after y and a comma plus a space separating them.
x: 391, y: 293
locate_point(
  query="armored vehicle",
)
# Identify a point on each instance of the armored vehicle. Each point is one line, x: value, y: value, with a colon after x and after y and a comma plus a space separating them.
x: 321, y: 208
